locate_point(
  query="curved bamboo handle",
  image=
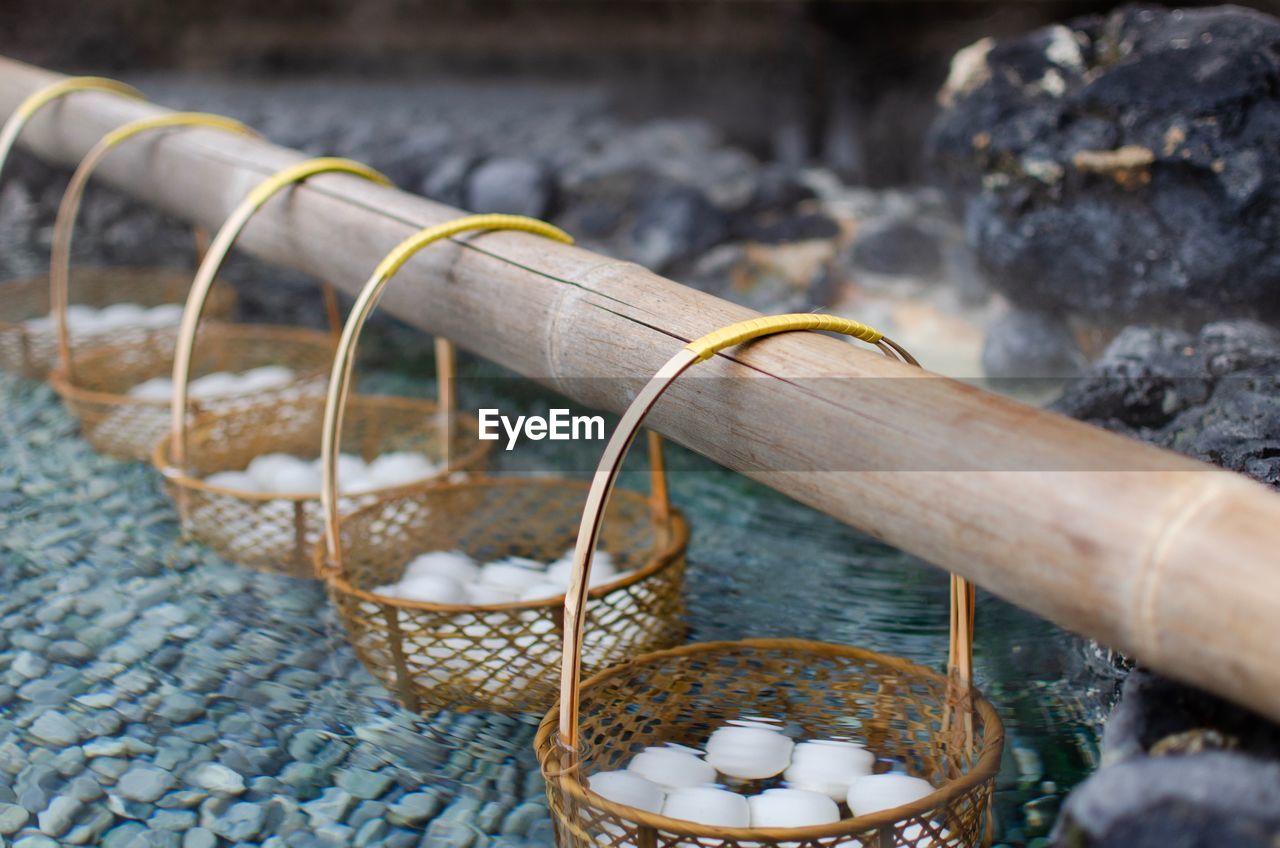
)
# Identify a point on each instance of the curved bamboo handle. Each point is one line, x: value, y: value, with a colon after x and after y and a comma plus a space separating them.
x: 212, y: 263
x: 27, y: 109
x: 699, y: 350
x: 60, y: 260
x: 344, y: 359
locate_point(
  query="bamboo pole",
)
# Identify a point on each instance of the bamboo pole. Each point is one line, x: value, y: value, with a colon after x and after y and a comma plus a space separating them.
x: 1159, y: 556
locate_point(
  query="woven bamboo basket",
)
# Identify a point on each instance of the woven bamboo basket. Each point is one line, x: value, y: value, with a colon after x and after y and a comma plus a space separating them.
x: 277, y: 532
x: 94, y: 380
x: 936, y: 726
x: 28, y: 338
x: 493, y: 656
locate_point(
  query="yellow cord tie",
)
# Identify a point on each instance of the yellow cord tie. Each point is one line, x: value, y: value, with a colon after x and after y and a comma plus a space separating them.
x: 753, y: 328
x: 16, y: 122
x: 173, y: 119
x: 405, y: 250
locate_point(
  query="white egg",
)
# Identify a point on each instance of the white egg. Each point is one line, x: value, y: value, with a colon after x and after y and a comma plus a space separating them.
x: 876, y: 792
x: 482, y: 594
x: 266, y: 377
x: 432, y: 589
x: 627, y: 788
x: 355, y: 484
x: 299, y: 479
x: 400, y: 468
x: 514, y: 574
x: 40, y: 324
x: 541, y: 592
x: 347, y: 464
x: 749, y: 753
x: 238, y: 480
x: 82, y: 319
x: 828, y: 766
x: 164, y: 315
x: 792, y: 808
x: 672, y: 768
x: 217, y: 384
x: 157, y: 388
x: 118, y: 316
x: 264, y: 468
x: 602, y: 570
x: 708, y: 805
x: 452, y: 564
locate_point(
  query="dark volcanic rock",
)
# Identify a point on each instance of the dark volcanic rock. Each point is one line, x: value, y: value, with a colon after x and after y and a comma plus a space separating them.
x: 1162, y: 716
x: 1122, y: 167
x: 1204, y: 801
x: 897, y: 246
x: 1214, y: 396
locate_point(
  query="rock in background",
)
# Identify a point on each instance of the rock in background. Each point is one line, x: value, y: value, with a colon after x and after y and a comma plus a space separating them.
x: 1122, y: 167
x: 672, y: 194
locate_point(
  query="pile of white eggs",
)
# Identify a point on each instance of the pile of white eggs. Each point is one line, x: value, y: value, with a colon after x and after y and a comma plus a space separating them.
x: 452, y: 577
x: 86, y: 320
x: 818, y: 776
x: 219, y: 384
x: 285, y: 474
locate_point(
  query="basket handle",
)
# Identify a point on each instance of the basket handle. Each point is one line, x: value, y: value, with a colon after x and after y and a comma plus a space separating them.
x: 344, y: 359
x: 60, y: 260
x: 207, y: 273
x: 606, y: 475
x: 27, y: 109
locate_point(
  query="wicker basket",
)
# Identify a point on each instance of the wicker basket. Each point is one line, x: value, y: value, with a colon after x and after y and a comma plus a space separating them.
x: 494, y: 656
x: 274, y: 532
x: 278, y: 533
x: 94, y: 381
x: 32, y: 350
x: 122, y: 425
x: 501, y: 656
x: 937, y: 726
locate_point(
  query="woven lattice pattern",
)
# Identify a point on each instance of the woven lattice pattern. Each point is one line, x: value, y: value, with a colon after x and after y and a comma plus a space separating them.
x: 277, y: 533
x: 120, y: 425
x: 819, y: 691
x: 502, y: 657
x: 34, y: 352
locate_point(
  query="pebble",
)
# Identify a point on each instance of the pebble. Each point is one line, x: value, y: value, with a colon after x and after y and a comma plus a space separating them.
x: 144, y: 783
x: 91, y: 828
x: 362, y: 783
x: 414, y: 808
x: 56, y: 729
x: 35, y: 841
x: 331, y: 806
x: 123, y: 836
x: 199, y: 837
x: 241, y: 822
x: 29, y: 665
x: 178, y: 820
x: 217, y: 778
x: 12, y: 818
x: 371, y: 832
x: 57, y: 818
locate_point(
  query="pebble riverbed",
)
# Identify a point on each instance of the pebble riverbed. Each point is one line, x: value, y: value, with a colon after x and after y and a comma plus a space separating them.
x: 154, y: 694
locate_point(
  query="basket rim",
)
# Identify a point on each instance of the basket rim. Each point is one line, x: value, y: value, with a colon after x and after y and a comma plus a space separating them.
x: 178, y: 477
x: 62, y: 383
x: 676, y: 543
x: 37, y: 281
x: 986, y: 768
